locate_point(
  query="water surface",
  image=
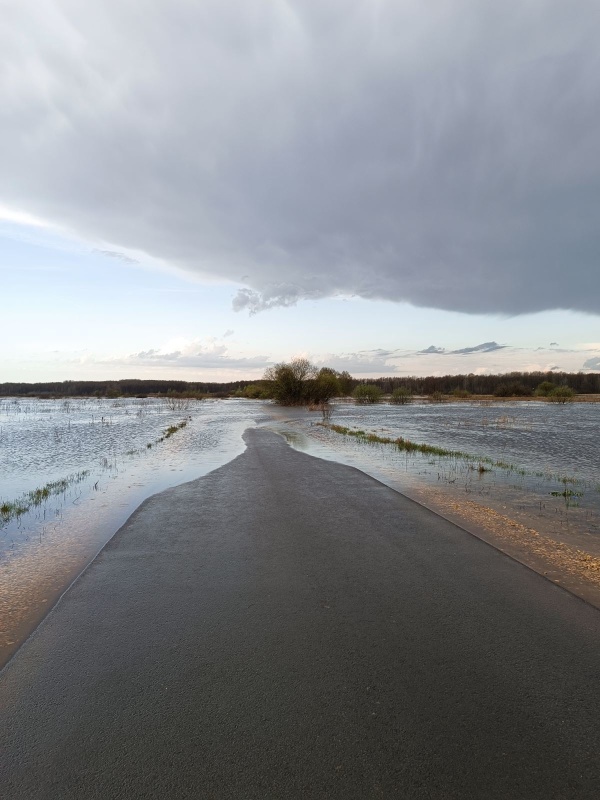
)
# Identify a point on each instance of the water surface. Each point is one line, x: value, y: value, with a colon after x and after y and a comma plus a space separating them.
x: 111, y: 455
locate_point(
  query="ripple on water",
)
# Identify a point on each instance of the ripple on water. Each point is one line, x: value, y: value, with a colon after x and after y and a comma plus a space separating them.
x: 42, y: 441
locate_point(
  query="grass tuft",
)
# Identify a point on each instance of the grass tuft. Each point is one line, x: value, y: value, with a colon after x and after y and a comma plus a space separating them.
x: 35, y: 497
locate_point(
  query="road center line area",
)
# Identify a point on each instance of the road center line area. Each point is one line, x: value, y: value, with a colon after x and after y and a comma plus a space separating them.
x: 288, y: 627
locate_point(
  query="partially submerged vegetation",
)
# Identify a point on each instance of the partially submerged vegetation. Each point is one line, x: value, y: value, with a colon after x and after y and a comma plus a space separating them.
x: 479, y: 464
x: 14, y: 509
x: 401, y: 396
x: 166, y: 434
x: 299, y: 382
x: 367, y: 393
x: 34, y: 498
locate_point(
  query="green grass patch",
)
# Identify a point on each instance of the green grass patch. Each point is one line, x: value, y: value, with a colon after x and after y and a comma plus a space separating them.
x: 172, y: 429
x: 34, y: 498
x: 481, y: 464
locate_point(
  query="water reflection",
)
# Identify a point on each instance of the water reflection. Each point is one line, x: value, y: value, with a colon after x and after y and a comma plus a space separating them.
x: 118, y: 444
x: 551, y: 477
x: 121, y: 446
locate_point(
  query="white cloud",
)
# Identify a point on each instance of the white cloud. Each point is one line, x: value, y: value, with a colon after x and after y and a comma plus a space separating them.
x: 199, y: 354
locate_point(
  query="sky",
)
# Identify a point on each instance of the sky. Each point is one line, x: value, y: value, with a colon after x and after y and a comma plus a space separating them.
x: 198, y: 190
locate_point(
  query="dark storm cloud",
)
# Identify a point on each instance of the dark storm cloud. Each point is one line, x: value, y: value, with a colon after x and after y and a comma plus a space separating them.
x: 441, y: 153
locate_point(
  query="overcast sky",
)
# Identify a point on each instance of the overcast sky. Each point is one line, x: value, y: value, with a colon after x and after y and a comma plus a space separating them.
x: 198, y: 189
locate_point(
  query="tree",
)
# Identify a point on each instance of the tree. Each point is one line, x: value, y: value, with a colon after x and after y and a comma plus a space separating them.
x: 255, y: 391
x: 323, y: 386
x: 346, y: 382
x: 561, y: 394
x: 366, y: 393
x: 401, y: 396
x: 289, y: 381
x: 544, y: 388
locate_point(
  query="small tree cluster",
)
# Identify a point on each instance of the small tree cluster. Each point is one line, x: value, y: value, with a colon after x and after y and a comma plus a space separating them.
x: 544, y: 388
x: 556, y: 394
x: 401, y: 396
x: 366, y: 393
x: 561, y: 394
x: 298, y: 382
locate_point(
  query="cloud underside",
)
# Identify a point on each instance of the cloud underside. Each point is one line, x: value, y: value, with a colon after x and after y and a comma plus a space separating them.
x: 484, y: 347
x: 592, y: 364
x: 194, y: 355
x: 482, y: 358
x: 444, y: 157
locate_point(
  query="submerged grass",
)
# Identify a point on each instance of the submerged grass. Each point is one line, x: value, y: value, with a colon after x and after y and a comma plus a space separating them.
x: 166, y: 434
x: 16, y: 508
x: 477, y: 463
x: 13, y: 509
x: 400, y: 443
x: 173, y: 429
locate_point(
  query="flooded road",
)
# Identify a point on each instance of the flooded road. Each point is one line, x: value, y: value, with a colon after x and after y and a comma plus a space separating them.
x: 101, y: 459
x: 75, y: 470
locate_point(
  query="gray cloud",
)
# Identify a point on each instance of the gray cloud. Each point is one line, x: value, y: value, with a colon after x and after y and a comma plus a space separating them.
x: 273, y: 296
x: 207, y: 360
x: 201, y: 354
x: 485, y: 347
x: 433, y: 350
x: 592, y: 363
x: 363, y: 362
x: 443, y: 155
x: 119, y: 256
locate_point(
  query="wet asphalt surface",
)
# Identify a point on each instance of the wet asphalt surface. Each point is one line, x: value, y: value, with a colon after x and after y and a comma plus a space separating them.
x: 286, y: 627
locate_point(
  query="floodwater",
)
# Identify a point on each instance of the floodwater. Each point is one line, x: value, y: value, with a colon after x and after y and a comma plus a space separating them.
x: 99, y: 459
x: 546, y: 437
x: 104, y: 457
x: 549, y: 481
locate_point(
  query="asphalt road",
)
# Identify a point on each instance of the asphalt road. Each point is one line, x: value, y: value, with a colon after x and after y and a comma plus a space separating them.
x: 286, y: 627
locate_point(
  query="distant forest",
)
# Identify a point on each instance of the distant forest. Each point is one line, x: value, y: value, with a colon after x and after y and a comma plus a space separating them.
x: 124, y: 388
x: 522, y: 383
x: 580, y: 382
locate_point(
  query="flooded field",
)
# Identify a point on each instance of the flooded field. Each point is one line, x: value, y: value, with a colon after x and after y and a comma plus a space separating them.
x: 523, y: 476
x: 72, y: 471
x: 538, y: 437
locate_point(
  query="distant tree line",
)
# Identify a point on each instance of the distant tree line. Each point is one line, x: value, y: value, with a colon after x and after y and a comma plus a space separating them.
x: 299, y: 381
x: 123, y: 388
x: 508, y: 384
